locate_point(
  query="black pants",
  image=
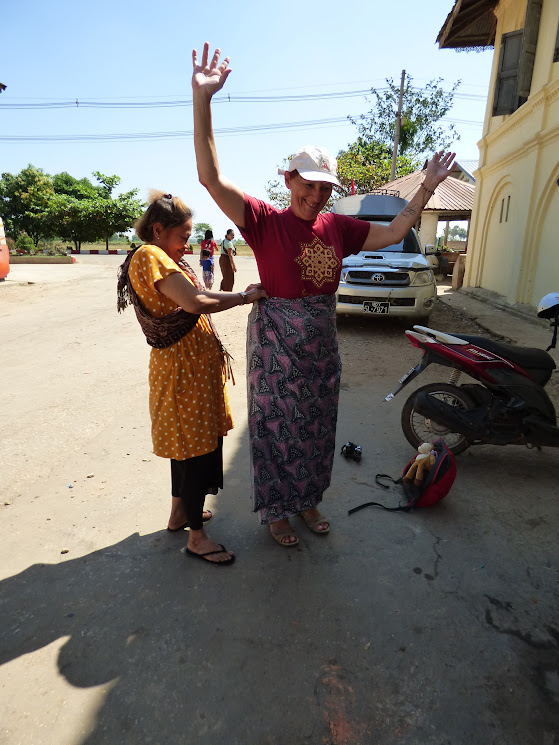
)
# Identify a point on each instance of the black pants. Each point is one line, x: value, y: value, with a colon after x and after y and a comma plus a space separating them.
x: 193, y: 478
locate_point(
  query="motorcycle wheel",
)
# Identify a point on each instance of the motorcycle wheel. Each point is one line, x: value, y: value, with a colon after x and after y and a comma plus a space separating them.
x: 418, y: 429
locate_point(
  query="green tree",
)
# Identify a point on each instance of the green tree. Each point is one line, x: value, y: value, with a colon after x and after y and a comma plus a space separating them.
x: 72, y: 219
x: 199, y: 230
x: 278, y: 195
x: 79, y: 188
x: 72, y: 209
x: 456, y: 233
x: 108, y: 183
x: 114, y: 215
x: 69, y: 213
x: 366, y: 165
x: 422, y: 111
x: 23, y: 200
x: 84, y: 212
x: 24, y: 243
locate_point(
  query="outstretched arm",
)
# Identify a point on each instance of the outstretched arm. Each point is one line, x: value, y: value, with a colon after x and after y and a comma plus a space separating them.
x: 381, y: 236
x: 176, y: 287
x: 207, y: 79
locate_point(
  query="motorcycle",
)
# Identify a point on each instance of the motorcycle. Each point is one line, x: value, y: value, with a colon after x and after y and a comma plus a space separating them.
x: 507, y: 406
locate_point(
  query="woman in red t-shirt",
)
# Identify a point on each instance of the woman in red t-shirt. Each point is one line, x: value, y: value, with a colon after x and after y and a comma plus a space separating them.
x: 208, y: 243
x: 292, y: 346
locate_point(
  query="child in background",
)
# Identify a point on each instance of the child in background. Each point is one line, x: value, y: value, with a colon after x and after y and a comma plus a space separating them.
x: 207, y: 264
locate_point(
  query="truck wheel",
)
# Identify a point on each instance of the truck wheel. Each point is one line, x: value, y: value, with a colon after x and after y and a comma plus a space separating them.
x: 418, y: 429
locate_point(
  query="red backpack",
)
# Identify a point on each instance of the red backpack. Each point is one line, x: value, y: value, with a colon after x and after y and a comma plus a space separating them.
x: 435, y: 486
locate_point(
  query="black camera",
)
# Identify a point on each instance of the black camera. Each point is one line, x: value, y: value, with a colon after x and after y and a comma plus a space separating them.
x: 351, y: 450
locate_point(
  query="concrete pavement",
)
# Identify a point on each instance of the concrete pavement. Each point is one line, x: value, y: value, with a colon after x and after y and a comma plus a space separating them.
x: 436, y: 627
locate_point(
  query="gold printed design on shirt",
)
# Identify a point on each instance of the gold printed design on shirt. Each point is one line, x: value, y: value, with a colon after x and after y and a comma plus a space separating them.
x: 319, y: 263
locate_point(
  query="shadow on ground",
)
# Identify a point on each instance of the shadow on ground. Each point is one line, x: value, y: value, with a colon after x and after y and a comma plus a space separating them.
x: 433, y: 627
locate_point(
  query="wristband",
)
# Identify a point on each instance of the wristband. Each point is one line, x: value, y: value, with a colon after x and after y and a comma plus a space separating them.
x: 429, y: 191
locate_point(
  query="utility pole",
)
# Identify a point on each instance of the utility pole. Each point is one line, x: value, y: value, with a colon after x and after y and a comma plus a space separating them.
x: 397, y: 131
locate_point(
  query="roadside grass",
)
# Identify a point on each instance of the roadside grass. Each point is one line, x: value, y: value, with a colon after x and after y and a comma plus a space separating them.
x: 242, y: 250
x: 103, y: 247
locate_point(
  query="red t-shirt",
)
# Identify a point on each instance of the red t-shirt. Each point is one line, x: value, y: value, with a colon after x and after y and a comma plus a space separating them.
x: 210, y: 245
x: 296, y: 257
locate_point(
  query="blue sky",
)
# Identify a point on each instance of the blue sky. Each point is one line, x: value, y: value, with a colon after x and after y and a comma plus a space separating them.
x: 140, y: 52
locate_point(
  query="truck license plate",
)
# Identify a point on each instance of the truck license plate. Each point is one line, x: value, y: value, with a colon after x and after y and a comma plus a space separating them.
x: 373, y: 306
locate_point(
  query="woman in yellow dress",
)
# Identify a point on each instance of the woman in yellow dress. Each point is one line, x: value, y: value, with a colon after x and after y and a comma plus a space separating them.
x: 188, y: 400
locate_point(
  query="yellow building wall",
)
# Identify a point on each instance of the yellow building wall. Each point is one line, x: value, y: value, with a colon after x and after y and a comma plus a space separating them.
x: 514, y: 238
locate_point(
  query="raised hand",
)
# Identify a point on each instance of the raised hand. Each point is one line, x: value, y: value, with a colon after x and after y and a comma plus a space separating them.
x: 209, y: 78
x: 438, y: 168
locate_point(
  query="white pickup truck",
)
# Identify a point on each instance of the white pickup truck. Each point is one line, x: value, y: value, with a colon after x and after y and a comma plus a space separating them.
x: 396, y: 281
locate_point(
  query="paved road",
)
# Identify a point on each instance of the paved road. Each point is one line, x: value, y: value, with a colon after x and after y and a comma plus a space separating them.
x: 437, y: 627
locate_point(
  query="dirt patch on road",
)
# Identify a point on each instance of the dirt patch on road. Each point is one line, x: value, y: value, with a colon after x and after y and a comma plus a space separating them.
x: 375, y: 346
x: 378, y: 345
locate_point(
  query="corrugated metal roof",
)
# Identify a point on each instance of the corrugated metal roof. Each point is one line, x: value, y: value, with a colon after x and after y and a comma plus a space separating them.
x: 468, y: 166
x: 471, y: 24
x: 452, y: 195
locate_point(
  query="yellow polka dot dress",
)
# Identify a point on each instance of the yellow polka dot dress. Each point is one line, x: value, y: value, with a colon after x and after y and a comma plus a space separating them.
x: 188, y: 399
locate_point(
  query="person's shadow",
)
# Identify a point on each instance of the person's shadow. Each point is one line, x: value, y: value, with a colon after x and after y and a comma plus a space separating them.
x: 137, y: 613
x: 196, y: 654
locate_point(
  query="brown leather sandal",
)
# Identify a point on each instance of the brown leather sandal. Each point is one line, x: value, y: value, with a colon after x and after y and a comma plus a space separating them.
x: 312, y: 523
x: 282, y: 534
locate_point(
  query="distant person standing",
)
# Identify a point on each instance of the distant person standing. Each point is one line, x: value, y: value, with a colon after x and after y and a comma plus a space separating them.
x: 208, y: 243
x: 227, y: 262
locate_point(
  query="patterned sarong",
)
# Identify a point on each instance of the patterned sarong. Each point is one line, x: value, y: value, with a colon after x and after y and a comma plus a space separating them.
x: 293, y: 377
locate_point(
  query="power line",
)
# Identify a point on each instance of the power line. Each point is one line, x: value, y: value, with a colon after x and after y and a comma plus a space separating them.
x: 462, y: 122
x: 187, y: 134
x: 187, y: 102
x: 238, y: 93
x: 172, y: 135
x: 180, y: 102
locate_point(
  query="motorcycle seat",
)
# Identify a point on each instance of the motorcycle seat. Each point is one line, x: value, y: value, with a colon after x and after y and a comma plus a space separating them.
x: 529, y: 358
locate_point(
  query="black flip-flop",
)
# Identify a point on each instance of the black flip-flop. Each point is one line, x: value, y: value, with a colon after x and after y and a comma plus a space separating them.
x: 176, y: 530
x: 185, y: 525
x: 222, y: 548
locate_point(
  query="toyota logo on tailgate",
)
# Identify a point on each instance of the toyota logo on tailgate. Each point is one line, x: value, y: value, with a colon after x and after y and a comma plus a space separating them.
x: 378, y: 277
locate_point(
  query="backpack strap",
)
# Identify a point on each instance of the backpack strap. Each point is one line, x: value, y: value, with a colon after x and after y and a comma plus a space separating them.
x: 386, y: 476
x: 400, y: 508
